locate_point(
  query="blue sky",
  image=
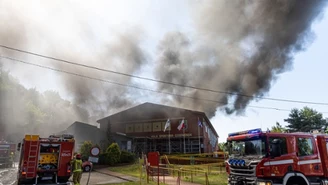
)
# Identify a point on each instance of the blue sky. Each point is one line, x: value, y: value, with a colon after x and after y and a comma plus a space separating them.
x: 305, y: 81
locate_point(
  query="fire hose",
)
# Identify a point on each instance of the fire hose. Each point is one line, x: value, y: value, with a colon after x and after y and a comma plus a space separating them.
x: 89, y: 173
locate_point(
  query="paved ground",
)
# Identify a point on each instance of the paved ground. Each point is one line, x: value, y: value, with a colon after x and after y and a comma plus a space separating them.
x: 8, y: 176
x: 97, y: 178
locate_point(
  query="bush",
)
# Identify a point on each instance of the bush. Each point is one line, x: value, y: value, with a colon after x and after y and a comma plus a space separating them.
x: 103, y: 159
x: 113, y: 154
x: 127, y: 157
x: 85, y: 149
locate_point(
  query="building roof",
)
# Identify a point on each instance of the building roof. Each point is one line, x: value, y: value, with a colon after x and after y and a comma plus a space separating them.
x: 147, y: 111
x: 82, y: 126
x: 82, y: 130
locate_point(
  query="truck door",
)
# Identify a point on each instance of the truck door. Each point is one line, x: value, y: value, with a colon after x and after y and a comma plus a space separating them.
x: 308, y: 157
x: 284, y: 161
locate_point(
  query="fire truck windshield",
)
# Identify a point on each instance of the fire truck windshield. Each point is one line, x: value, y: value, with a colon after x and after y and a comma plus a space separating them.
x: 249, y: 147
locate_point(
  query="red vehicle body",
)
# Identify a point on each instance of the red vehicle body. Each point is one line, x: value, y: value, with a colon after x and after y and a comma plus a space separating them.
x: 265, y: 158
x: 45, y: 160
x: 7, y: 154
x: 87, y: 166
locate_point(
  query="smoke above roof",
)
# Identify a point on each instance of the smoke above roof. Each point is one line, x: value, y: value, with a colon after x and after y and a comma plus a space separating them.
x: 239, y: 47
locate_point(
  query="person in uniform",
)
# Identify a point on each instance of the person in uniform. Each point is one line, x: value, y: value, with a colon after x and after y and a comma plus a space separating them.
x: 12, y: 159
x: 76, y: 164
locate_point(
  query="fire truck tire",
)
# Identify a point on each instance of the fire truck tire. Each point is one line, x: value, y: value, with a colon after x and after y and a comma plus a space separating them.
x: 63, y: 179
x: 87, y: 168
x: 296, y: 180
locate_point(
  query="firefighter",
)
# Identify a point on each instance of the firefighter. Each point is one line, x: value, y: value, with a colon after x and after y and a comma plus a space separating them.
x: 12, y: 159
x: 77, y: 169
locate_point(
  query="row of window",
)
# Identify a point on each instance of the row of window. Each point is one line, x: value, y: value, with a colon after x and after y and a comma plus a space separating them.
x: 149, y: 127
x: 145, y: 127
x: 304, y: 145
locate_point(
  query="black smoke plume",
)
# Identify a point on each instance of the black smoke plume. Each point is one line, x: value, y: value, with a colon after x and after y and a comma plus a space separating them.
x: 241, y: 47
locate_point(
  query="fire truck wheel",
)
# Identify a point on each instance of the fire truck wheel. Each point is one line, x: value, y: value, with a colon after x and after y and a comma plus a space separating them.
x: 87, y: 168
x: 63, y: 179
x: 296, y: 181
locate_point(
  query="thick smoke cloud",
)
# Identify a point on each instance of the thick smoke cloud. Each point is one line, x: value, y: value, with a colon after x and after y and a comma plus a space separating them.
x: 73, y: 41
x: 124, y: 54
x: 241, y: 47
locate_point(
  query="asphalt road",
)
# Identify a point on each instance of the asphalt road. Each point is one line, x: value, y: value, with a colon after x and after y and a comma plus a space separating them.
x: 99, y: 178
x: 8, y: 177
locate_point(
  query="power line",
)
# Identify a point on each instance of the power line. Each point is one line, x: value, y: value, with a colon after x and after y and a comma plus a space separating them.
x: 160, y: 81
x: 133, y: 86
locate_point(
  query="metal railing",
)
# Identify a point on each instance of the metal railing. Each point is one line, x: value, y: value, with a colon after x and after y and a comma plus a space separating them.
x: 184, y: 175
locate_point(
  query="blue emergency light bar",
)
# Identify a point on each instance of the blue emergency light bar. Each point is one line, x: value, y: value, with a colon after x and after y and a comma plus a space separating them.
x: 253, y: 131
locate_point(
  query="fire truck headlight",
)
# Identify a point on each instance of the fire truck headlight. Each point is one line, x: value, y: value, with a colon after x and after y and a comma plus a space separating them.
x: 263, y: 183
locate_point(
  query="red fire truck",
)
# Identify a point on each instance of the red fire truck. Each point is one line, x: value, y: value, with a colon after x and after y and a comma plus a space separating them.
x: 7, y: 154
x: 265, y: 158
x: 45, y: 160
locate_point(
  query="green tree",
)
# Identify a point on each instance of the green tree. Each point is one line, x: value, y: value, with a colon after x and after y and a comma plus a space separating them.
x: 25, y: 110
x: 278, y: 128
x: 222, y: 146
x: 85, y: 149
x: 113, y: 154
x: 305, y: 120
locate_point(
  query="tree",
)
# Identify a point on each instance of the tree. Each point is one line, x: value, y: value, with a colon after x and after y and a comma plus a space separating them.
x: 278, y: 128
x: 85, y: 149
x: 305, y: 120
x: 222, y: 146
x: 26, y: 110
x: 113, y: 154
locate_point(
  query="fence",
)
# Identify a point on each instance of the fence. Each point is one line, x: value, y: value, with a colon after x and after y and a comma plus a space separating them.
x: 208, y: 174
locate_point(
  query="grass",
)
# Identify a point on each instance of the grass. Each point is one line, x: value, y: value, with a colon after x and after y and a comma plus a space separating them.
x: 134, y: 183
x: 220, y: 179
x: 134, y: 170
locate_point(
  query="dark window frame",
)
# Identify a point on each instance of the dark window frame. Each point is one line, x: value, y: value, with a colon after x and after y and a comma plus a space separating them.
x: 284, y: 147
x: 302, y: 153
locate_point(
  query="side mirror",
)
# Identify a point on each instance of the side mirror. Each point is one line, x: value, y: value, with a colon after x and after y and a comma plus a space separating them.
x: 19, y: 146
x: 275, y: 150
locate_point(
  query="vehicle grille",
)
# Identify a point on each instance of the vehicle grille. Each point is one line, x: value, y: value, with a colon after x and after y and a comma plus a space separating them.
x: 243, y: 174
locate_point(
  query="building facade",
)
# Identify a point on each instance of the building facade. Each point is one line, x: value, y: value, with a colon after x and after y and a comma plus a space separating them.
x: 144, y: 127
x: 85, y: 132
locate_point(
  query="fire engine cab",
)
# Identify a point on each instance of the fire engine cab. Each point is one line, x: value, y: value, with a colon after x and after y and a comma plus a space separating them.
x: 45, y: 160
x: 265, y: 158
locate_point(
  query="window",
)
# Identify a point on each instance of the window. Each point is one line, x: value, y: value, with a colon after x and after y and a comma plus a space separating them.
x: 255, y: 146
x: 305, y: 146
x: 283, y: 144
